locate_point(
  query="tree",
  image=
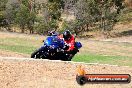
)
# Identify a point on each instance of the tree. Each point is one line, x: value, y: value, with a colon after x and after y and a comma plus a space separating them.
x: 54, y: 8
x: 3, y: 4
x: 87, y: 13
x: 30, y: 22
x: 2, y: 13
x: 101, y: 14
x: 22, y: 17
x: 22, y: 14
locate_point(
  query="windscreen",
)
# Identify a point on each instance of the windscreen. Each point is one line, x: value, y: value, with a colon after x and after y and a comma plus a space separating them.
x: 52, y: 40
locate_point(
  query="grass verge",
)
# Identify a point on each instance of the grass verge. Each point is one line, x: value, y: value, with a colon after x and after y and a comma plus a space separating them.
x: 94, y: 58
x: 27, y: 46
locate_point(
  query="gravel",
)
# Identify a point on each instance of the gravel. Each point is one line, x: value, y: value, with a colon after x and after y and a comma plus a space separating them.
x: 38, y: 73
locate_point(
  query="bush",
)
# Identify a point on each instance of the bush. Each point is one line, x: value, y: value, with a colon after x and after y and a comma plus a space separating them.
x: 41, y: 28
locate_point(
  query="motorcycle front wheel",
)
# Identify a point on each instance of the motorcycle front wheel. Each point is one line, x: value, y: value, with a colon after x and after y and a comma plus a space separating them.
x: 35, y: 54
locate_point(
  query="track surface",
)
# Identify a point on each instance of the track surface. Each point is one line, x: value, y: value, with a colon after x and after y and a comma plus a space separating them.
x: 19, y: 71
x: 29, y: 73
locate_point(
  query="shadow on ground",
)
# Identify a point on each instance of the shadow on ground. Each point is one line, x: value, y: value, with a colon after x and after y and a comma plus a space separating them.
x: 126, y: 33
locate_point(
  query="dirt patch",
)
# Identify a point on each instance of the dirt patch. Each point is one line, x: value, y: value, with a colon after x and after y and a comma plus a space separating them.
x: 127, y: 39
x: 28, y: 73
x: 5, y: 53
x: 20, y: 35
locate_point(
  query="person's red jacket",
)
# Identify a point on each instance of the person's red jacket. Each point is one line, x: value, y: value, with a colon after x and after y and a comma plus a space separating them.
x: 70, y: 42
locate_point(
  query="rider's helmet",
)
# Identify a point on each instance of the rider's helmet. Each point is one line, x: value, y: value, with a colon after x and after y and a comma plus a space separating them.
x: 67, y: 35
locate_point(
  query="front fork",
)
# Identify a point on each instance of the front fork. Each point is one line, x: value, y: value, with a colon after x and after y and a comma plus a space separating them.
x: 45, y: 51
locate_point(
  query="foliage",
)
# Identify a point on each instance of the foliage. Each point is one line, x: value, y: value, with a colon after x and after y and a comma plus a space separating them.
x: 90, y: 15
x: 2, y: 12
x: 3, y: 4
x: 22, y: 16
x: 125, y: 16
x: 31, y: 20
x: 98, y: 14
x: 11, y: 12
x: 54, y: 9
x: 40, y: 26
x: 65, y: 25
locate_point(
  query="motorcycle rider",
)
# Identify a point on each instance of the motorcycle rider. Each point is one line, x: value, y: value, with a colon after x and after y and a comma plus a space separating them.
x: 70, y: 41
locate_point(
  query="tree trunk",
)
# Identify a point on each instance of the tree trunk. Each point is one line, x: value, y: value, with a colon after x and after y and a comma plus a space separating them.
x: 87, y: 27
x: 22, y: 28
x: 104, y: 26
x: 31, y: 29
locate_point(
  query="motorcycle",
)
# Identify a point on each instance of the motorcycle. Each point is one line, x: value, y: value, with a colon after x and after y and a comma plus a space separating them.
x: 55, y: 48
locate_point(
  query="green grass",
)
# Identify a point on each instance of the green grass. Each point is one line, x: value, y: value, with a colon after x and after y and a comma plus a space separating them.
x: 27, y: 46
x: 19, y: 45
x: 18, y: 48
x: 94, y: 58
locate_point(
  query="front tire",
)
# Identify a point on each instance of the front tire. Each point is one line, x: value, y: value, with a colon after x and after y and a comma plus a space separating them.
x: 34, y: 54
